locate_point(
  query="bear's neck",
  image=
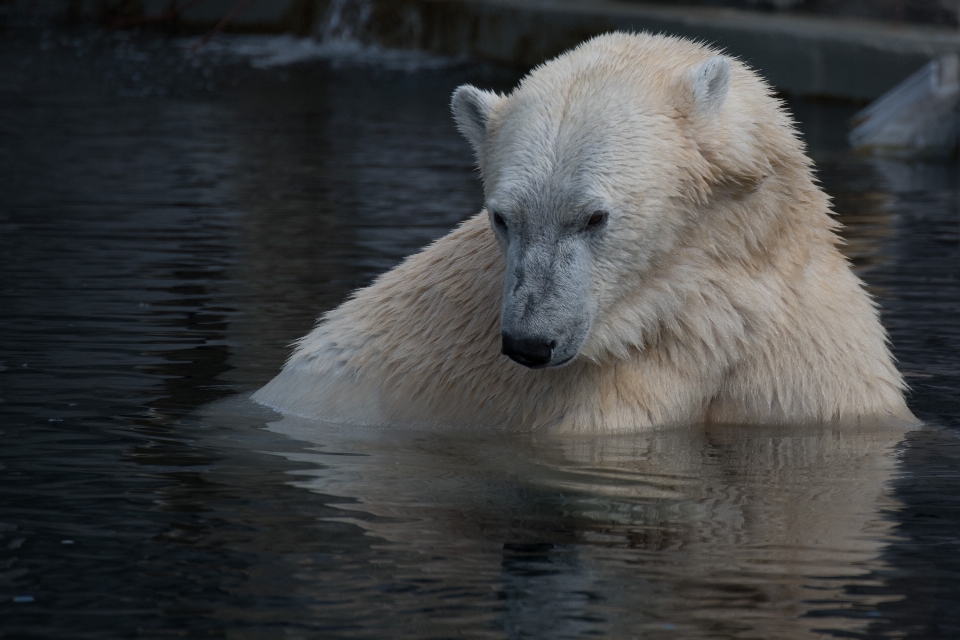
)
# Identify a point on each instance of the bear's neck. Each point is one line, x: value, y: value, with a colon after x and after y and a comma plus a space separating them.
x: 744, y: 255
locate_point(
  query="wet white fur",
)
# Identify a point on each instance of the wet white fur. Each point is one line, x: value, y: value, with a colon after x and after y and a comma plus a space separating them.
x: 714, y: 293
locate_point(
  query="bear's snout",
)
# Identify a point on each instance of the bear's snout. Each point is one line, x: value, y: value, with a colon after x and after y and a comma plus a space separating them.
x: 530, y: 352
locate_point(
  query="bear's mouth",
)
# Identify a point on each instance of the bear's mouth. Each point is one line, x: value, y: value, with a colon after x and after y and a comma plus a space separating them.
x: 539, y: 364
x: 563, y: 362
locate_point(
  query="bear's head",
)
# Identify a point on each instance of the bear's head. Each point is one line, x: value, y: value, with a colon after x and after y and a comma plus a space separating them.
x: 594, y: 168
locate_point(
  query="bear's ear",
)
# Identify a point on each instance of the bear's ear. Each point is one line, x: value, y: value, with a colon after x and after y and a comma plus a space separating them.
x: 471, y: 110
x: 709, y: 83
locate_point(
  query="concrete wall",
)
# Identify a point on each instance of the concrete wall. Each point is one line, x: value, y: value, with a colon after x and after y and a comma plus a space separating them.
x: 801, y: 55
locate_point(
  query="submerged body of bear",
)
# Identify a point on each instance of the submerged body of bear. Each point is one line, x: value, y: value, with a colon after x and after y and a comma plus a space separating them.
x: 653, y: 251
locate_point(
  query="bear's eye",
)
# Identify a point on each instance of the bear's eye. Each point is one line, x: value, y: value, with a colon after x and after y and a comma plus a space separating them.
x: 596, y: 219
x: 499, y: 221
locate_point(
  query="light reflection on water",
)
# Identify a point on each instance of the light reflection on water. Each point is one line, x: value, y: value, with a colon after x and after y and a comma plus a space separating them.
x: 717, y: 532
x: 713, y: 533
x: 160, y: 253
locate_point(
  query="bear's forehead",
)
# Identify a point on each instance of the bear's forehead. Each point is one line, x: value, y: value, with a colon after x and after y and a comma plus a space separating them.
x: 549, y: 144
x: 584, y: 97
x: 603, y: 120
x: 574, y: 110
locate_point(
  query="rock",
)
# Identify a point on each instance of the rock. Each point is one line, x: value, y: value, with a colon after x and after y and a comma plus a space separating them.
x: 917, y: 118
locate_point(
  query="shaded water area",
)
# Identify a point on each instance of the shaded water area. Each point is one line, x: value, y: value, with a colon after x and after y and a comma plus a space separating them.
x: 169, y: 223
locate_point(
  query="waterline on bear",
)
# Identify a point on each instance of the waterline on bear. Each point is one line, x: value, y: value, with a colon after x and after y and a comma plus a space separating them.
x: 652, y: 225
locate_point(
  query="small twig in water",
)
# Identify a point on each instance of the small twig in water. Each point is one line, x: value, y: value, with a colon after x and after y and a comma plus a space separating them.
x: 237, y: 8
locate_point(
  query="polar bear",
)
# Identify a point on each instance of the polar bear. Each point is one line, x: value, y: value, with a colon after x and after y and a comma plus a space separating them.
x: 653, y: 251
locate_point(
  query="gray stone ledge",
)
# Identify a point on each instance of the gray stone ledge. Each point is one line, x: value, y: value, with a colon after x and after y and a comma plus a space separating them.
x: 800, y: 55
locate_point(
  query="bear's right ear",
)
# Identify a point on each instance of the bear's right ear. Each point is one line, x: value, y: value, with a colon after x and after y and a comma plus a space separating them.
x: 471, y: 110
x: 709, y: 82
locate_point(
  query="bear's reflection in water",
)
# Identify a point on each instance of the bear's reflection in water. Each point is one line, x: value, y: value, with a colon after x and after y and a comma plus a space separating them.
x: 689, y: 532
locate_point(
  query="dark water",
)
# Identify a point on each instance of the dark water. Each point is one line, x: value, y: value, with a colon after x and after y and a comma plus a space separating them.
x: 168, y: 224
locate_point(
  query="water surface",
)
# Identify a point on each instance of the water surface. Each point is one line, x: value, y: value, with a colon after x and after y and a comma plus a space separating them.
x: 169, y: 224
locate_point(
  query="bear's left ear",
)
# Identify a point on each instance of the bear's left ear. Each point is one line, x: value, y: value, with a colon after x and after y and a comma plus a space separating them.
x: 709, y: 83
x: 471, y: 110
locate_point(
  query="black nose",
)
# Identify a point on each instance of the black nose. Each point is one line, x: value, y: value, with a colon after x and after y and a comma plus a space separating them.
x: 533, y: 353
